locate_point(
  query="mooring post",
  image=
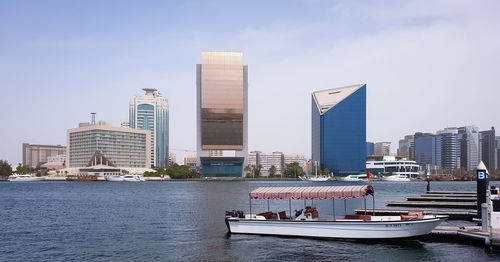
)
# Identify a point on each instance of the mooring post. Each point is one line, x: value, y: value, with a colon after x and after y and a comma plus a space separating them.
x: 482, y: 186
x: 250, y: 199
x: 484, y: 217
x: 364, y: 199
x: 333, y: 209
x: 428, y: 183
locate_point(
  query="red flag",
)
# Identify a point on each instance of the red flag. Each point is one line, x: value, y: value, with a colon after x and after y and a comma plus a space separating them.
x: 368, y: 174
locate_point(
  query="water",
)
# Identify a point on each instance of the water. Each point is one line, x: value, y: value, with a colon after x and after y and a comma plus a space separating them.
x: 165, y: 221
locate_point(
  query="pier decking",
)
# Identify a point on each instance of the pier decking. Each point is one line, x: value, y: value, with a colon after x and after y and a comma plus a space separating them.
x: 470, y: 233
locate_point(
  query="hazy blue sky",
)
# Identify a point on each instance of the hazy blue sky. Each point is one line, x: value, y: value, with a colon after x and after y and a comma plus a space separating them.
x: 427, y: 64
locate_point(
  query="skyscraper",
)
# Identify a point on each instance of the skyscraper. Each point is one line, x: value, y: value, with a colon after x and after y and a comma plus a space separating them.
x: 468, y: 139
x: 382, y: 148
x: 222, y: 113
x: 488, y: 149
x: 447, y: 148
x: 339, y: 129
x: 150, y: 112
x: 370, y: 148
x: 407, y: 147
x: 425, y: 150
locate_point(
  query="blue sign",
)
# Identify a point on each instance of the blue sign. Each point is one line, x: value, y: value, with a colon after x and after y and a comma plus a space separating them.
x: 482, y: 175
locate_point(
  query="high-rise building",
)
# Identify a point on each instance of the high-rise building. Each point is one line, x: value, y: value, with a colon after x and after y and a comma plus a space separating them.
x: 425, y: 150
x: 121, y: 147
x: 172, y: 158
x: 488, y: 149
x: 382, y: 148
x: 370, y: 148
x: 406, y: 147
x: 469, y: 147
x: 150, y: 112
x: 339, y: 129
x: 190, y: 160
x: 447, y: 148
x: 37, y: 155
x: 497, y: 144
x: 222, y: 113
x: 276, y: 159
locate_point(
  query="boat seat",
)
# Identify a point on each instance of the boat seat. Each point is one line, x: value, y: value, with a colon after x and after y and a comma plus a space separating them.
x: 419, y: 214
x: 311, y: 211
x: 268, y: 215
x: 282, y: 215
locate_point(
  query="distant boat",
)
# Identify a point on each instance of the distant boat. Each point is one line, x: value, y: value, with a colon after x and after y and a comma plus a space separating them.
x: 314, y: 178
x: 360, y: 177
x: 24, y: 178
x: 126, y: 178
x: 396, y: 178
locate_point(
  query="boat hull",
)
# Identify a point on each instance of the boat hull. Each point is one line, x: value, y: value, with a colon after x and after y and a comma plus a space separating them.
x: 30, y: 179
x: 334, y: 229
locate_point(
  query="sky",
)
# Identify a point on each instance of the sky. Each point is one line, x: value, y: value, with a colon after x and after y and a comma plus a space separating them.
x: 427, y: 64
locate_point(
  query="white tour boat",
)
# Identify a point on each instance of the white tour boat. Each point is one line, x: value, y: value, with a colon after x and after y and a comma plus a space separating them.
x: 314, y: 178
x: 126, y: 178
x: 396, y: 178
x: 309, y: 224
x: 360, y: 177
x: 24, y: 178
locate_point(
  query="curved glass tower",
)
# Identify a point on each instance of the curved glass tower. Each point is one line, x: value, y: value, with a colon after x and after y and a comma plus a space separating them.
x: 339, y: 129
x: 150, y: 112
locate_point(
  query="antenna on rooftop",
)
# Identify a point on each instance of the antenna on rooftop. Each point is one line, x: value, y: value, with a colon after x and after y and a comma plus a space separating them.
x: 93, y: 119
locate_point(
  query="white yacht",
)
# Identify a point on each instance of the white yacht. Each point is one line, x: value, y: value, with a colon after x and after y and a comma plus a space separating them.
x: 24, y: 178
x: 126, y: 178
x: 314, y: 178
x: 360, y: 177
x: 396, y: 178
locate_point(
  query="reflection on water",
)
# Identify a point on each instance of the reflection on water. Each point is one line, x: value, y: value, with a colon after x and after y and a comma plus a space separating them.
x: 157, y: 221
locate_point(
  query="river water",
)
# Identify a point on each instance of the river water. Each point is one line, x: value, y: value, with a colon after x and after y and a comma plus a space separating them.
x: 184, y: 221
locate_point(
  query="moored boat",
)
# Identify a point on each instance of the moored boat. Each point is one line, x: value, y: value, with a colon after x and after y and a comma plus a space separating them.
x: 360, y: 177
x: 126, y: 178
x: 314, y: 178
x: 24, y: 178
x: 396, y: 178
x: 308, y: 223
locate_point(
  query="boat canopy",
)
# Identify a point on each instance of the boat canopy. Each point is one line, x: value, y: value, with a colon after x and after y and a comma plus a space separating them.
x: 314, y: 192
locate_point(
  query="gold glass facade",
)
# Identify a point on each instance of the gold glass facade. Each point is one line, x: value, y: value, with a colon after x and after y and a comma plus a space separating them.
x: 222, y: 101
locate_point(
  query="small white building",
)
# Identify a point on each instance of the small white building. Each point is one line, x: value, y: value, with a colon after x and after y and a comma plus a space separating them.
x: 391, y: 164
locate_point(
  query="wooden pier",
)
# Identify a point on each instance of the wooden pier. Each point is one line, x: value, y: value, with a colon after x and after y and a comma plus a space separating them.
x: 447, y: 204
x: 455, y: 204
x: 468, y: 233
x: 463, y: 214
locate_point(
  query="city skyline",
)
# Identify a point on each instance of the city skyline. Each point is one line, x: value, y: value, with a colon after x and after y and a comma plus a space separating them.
x: 53, y: 69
